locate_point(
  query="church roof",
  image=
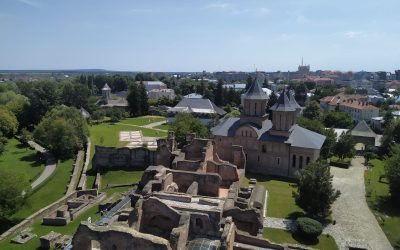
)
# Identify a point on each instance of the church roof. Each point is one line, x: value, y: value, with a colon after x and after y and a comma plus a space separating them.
x: 283, y: 103
x: 298, y: 137
x: 362, y: 129
x: 292, y: 100
x: 255, y: 92
x: 197, y: 105
x: 106, y: 87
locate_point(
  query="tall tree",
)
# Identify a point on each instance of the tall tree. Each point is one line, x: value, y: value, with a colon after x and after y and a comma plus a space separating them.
x: 184, y: 124
x: 345, y: 146
x: 338, y: 120
x: 315, y: 193
x: 144, y: 100
x: 8, y: 122
x: 313, y: 111
x: 392, y: 170
x: 219, y: 94
x: 133, y: 99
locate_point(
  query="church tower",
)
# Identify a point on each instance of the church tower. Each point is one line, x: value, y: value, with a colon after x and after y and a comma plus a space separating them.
x: 105, y: 93
x: 255, y: 103
x: 283, y: 115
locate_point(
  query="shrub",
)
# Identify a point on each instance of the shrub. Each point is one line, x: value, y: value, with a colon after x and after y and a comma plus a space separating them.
x: 308, y: 228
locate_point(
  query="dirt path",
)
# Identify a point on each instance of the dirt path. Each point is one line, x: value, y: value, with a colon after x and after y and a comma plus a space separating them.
x: 50, y: 164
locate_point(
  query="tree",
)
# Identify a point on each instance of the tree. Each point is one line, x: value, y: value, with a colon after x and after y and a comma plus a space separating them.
x: 133, y: 100
x: 26, y: 136
x: 63, y: 131
x: 300, y: 92
x: 313, y: 125
x: 313, y: 111
x: 184, y: 124
x: 14, y: 189
x: 315, y: 193
x: 329, y: 143
x: 349, y: 91
x: 338, y: 120
x: 345, y: 146
x: 2, y: 148
x: 8, y: 122
x: 144, y: 100
x: 391, y: 135
x: 392, y: 170
x: 388, y: 118
x: 219, y: 96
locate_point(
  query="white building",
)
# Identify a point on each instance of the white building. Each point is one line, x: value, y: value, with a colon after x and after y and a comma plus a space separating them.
x: 156, y: 94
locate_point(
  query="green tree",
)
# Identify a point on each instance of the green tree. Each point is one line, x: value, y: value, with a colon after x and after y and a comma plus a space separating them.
x: 219, y: 94
x: 338, y: 120
x: 313, y: 111
x: 329, y: 143
x: 133, y: 99
x: 63, y: 131
x: 14, y: 189
x: 345, y: 146
x: 2, y: 148
x: 315, y: 193
x: 144, y: 100
x: 392, y: 170
x: 391, y: 135
x: 184, y: 124
x: 8, y: 122
x: 313, y: 125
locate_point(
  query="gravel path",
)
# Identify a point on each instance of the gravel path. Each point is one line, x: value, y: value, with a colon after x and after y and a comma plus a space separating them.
x: 355, y: 224
x: 50, y: 164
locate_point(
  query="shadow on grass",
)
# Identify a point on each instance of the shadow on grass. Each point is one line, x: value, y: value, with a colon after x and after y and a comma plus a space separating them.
x: 385, y: 205
x: 262, y: 178
x: 305, y: 241
x: 33, y: 159
x: 6, y: 224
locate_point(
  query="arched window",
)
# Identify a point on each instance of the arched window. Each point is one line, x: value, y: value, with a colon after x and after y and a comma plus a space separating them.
x: 294, y: 161
x: 300, y: 162
x: 308, y: 160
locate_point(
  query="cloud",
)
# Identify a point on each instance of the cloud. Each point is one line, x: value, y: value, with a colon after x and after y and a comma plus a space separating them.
x: 236, y: 10
x: 352, y: 34
x: 30, y: 3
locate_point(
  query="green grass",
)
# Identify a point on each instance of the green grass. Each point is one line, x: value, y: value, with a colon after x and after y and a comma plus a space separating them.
x: 107, y: 134
x: 164, y: 126
x: 282, y: 236
x: 48, y: 192
x: 387, y: 215
x: 119, y: 177
x: 280, y: 203
x: 20, y: 159
x: 143, y: 120
x: 40, y: 230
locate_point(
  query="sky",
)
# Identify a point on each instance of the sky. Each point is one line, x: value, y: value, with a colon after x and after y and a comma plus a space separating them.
x: 189, y: 35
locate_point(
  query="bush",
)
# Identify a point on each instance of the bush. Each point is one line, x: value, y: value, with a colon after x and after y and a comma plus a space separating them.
x: 308, y: 228
x: 340, y: 164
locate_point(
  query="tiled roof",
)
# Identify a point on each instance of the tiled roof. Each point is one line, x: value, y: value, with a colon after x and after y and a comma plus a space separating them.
x: 353, y: 101
x: 362, y: 129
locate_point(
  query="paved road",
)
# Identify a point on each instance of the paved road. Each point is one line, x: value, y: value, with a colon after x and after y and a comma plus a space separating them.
x: 50, y: 164
x: 355, y: 223
x: 154, y: 124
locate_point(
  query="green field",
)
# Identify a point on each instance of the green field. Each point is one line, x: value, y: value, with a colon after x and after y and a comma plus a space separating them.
x: 324, y: 242
x: 387, y: 215
x: 164, y: 126
x: 48, y: 192
x: 280, y: 204
x: 143, y: 120
x: 41, y: 230
x: 107, y: 134
x: 21, y: 159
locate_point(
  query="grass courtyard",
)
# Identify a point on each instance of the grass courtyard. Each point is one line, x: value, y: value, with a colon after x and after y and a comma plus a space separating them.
x: 280, y: 204
x: 324, y: 242
x: 387, y: 215
x: 107, y: 134
x: 21, y: 159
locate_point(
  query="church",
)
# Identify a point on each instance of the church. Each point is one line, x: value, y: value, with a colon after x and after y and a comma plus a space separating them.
x: 274, y: 146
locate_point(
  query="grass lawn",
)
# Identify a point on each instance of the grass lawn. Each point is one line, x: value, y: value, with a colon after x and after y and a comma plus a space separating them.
x: 41, y: 230
x: 48, y: 192
x: 324, y: 242
x: 21, y: 159
x: 143, y: 120
x: 107, y: 134
x: 280, y: 204
x: 119, y: 177
x: 387, y: 215
x: 164, y: 126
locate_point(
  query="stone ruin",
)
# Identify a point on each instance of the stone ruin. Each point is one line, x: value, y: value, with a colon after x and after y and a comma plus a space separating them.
x: 54, y: 240
x: 193, y: 201
x: 75, y: 206
x: 24, y: 237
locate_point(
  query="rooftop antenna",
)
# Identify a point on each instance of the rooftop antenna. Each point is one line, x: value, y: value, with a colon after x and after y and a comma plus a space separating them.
x: 301, y: 61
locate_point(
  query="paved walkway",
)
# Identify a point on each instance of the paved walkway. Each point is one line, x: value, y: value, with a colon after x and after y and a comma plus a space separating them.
x: 50, y: 164
x: 151, y: 126
x: 355, y: 223
x: 154, y: 124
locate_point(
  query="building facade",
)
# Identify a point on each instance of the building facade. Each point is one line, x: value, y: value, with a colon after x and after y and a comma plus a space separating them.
x: 277, y: 146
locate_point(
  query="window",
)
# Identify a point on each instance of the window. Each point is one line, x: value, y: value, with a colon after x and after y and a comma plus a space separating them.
x: 300, y: 162
x: 242, y: 133
x: 294, y: 161
x: 278, y: 161
x: 308, y: 160
x: 264, y: 148
x: 255, y: 108
x: 258, y: 158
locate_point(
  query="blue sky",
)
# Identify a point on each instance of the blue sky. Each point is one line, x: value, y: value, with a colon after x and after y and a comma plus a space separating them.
x: 185, y: 35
